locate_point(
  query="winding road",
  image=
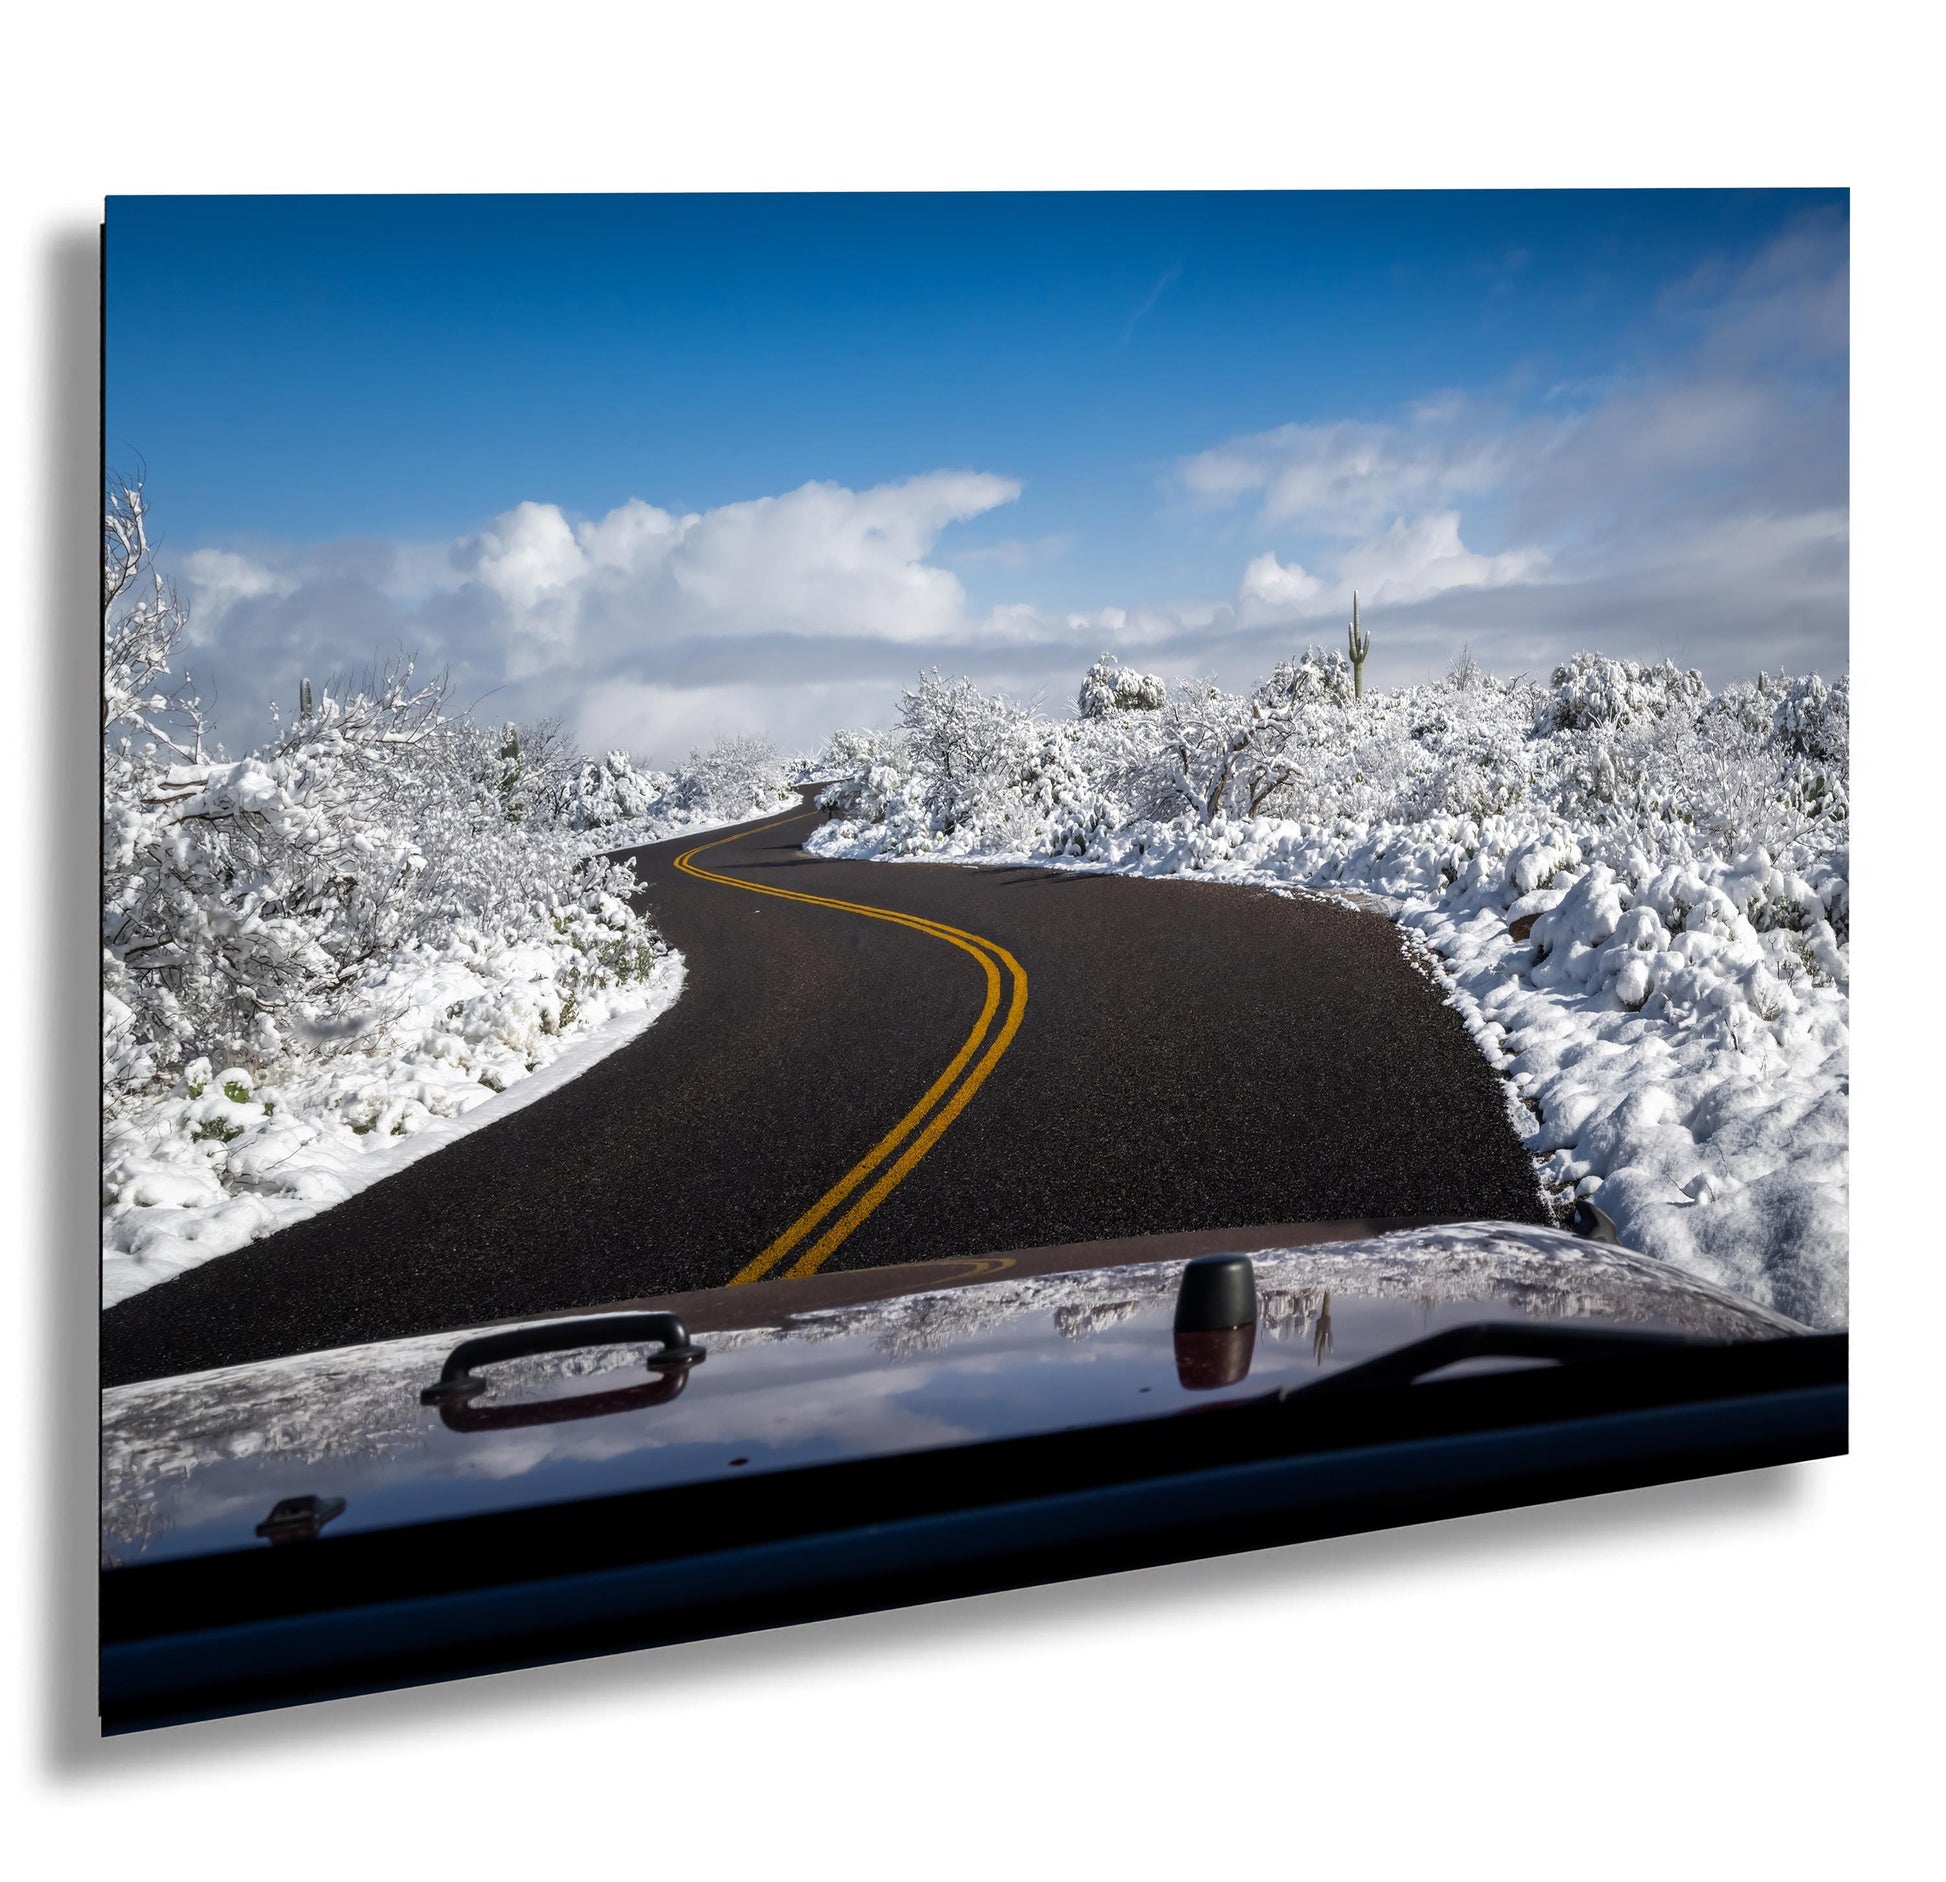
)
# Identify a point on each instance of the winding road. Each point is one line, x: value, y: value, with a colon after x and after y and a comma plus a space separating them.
x: 874, y: 1064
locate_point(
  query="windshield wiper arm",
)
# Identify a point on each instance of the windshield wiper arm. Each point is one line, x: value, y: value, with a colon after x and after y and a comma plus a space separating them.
x: 1495, y: 1339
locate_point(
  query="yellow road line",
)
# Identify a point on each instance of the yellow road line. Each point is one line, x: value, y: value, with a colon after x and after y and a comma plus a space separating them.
x: 811, y: 1261
x: 892, y: 1139
x: 983, y: 951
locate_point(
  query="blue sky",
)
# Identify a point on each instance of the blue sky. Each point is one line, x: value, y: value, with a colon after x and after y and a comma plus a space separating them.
x: 664, y: 465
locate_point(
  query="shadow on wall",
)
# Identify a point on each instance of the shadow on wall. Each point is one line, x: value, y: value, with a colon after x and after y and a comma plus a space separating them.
x: 63, y: 834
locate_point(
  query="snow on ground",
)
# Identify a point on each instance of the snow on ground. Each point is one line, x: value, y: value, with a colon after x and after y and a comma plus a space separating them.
x: 1669, y: 1006
x: 221, y: 1159
x: 675, y: 820
x: 503, y: 960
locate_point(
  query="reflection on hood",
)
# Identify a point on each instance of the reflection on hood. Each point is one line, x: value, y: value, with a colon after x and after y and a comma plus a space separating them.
x: 880, y: 1376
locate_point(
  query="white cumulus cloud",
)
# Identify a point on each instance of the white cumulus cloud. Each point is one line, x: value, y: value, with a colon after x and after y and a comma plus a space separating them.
x: 1426, y: 557
x: 1273, y: 590
x: 220, y: 578
x: 641, y: 616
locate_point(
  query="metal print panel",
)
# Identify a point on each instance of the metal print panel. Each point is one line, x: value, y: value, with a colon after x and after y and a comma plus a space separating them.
x: 813, y: 901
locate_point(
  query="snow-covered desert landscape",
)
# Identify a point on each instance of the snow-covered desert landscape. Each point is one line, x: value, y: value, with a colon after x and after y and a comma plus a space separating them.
x: 321, y: 958
x: 1478, y: 563
x: 324, y: 957
x: 1636, y: 893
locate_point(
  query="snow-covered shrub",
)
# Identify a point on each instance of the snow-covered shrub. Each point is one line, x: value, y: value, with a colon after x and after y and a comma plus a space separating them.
x: 148, y: 715
x: 244, y: 903
x: 848, y: 754
x: 1108, y: 686
x: 1221, y: 753
x: 1593, y: 692
x: 1725, y: 781
x: 608, y: 790
x: 1208, y: 737
x: 740, y: 775
x: 1314, y: 678
x: 613, y: 804
x: 535, y: 767
x: 867, y: 777
x: 1814, y: 720
x: 966, y: 745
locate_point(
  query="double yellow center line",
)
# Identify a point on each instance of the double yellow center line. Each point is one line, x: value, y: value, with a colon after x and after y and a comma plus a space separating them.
x: 892, y: 1159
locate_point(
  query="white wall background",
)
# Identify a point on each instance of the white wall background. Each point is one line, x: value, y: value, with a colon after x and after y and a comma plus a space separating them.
x: 1729, y: 1679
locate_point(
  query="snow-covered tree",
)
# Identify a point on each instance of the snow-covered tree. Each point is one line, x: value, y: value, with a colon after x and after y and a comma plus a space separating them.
x: 964, y: 742
x: 1241, y: 755
x: 739, y: 774
x: 1593, y: 692
x: 147, y: 714
x: 609, y: 790
x: 536, y: 766
x: 1108, y: 686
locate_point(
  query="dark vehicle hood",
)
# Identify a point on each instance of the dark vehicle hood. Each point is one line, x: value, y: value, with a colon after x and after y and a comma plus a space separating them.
x: 192, y: 1465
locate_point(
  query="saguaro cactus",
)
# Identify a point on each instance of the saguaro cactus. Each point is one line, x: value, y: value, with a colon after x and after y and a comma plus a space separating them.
x: 510, y: 770
x: 1359, y: 641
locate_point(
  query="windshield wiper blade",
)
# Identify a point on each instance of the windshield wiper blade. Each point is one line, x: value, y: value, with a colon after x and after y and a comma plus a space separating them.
x: 1497, y: 1339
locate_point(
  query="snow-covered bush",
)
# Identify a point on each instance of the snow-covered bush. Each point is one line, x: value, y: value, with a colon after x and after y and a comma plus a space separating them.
x: 611, y: 803
x: 535, y: 766
x: 865, y: 773
x: 1219, y: 752
x: 244, y: 903
x: 1314, y: 678
x: 740, y: 775
x: 609, y: 790
x: 1592, y: 692
x: 967, y: 747
x: 1108, y: 686
x: 848, y: 753
x: 1812, y: 719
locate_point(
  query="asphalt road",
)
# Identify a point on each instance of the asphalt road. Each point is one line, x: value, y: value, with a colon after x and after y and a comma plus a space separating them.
x: 1110, y: 1058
